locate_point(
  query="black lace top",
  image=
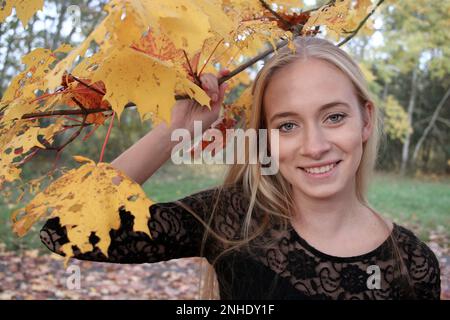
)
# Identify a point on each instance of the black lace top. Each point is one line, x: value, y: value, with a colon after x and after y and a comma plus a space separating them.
x: 286, y: 267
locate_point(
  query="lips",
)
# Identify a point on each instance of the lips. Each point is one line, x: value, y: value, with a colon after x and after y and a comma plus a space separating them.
x: 335, y: 163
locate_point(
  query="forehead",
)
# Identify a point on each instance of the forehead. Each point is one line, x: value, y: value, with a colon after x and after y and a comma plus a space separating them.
x: 305, y: 85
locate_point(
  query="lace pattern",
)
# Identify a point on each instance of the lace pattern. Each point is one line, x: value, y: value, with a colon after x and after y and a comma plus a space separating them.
x: 286, y: 268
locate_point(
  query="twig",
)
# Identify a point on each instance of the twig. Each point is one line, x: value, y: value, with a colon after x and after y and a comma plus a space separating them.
x: 252, y: 61
x: 66, y: 112
x: 360, y: 24
x: 286, y: 24
x: 90, y: 133
x: 194, y: 74
x: 55, y: 163
x: 89, y: 86
x: 107, y: 137
x: 74, y: 135
x: 34, y: 150
x: 204, y: 65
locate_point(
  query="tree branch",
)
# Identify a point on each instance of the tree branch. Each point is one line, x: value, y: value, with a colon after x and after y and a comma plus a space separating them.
x: 360, y: 24
x: 286, y: 24
x: 444, y: 121
x: 233, y: 73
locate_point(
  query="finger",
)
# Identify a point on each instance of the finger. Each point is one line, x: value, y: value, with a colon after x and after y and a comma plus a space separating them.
x: 222, y: 89
x: 211, y: 85
x: 224, y: 72
x: 216, y: 105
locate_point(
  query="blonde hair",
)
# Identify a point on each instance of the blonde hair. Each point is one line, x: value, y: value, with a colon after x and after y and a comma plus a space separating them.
x: 272, y: 194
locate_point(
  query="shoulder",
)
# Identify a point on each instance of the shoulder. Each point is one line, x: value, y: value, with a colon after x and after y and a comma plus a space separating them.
x: 411, y: 246
x: 422, y: 263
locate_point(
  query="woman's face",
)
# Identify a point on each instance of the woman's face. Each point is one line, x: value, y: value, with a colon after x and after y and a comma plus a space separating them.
x: 321, y: 128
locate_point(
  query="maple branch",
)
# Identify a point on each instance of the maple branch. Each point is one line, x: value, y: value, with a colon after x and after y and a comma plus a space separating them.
x: 320, y: 7
x: 73, y: 119
x: 74, y: 135
x: 88, y: 85
x: 361, y: 24
x: 28, y: 157
x: 47, y: 95
x: 194, y: 75
x: 252, y: 61
x: 65, y: 112
x: 286, y: 24
x: 68, y: 126
x: 233, y: 73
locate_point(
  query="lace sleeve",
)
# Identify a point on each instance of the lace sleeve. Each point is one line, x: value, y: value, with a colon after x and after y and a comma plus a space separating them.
x: 176, y: 233
x: 426, y: 274
x: 422, y: 264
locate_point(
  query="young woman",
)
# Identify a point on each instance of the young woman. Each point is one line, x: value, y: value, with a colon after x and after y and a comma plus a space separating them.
x: 306, y: 232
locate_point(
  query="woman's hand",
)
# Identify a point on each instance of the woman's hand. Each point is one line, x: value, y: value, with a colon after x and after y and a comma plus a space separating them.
x: 186, y: 111
x: 146, y: 156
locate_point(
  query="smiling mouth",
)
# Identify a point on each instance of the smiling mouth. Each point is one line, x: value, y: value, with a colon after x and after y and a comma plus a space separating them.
x: 321, y: 170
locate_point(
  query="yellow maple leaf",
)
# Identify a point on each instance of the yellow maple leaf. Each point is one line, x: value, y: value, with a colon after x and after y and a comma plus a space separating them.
x: 25, y: 84
x: 341, y: 17
x: 131, y: 76
x: 244, y: 102
x: 86, y: 200
x: 184, y: 22
x: 21, y: 136
x: 25, y: 9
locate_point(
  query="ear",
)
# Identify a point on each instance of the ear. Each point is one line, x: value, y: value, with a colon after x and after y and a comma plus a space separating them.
x: 367, y: 120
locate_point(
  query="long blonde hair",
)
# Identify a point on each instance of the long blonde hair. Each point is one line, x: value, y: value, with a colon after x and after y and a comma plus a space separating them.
x: 272, y: 194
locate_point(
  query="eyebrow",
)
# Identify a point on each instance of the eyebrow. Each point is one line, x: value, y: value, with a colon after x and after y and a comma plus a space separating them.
x: 322, y: 108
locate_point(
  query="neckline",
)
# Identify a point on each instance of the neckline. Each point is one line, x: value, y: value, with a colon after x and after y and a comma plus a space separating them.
x: 327, y: 256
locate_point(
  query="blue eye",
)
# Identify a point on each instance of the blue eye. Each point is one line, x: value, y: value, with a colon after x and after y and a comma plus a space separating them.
x: 288, y: 126
x: 338, y: 117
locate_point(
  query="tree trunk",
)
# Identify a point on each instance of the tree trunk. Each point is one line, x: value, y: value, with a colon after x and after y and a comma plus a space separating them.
x: 430, y: 124
x: 411, y: 104
x: 5, y: 65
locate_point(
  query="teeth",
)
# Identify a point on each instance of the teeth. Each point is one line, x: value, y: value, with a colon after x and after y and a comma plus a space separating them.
x: 321, y: 169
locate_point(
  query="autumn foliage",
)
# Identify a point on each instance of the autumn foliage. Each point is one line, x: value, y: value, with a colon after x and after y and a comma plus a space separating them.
x: 144, y: 53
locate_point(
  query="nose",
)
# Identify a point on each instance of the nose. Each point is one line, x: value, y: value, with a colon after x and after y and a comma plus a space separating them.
x: 314, y: 143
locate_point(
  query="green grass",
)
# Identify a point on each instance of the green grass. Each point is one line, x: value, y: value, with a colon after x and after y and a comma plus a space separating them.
x: 407, y: 201
x: 175, y: 182
x: 417, y: 201
x: 12, y: 241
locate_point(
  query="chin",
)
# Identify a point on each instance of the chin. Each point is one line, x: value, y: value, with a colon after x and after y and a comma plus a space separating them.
x: 319, y: 191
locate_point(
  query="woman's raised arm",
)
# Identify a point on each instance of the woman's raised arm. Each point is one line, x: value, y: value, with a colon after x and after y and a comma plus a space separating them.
x: 175, y: 232
x: 147, y: 155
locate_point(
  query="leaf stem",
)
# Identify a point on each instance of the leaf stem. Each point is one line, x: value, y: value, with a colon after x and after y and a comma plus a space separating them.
x: 107, y: 137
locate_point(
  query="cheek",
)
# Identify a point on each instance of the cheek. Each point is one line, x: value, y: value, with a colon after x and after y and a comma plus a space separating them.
x: 287, y: 149
x: 348, y: 139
